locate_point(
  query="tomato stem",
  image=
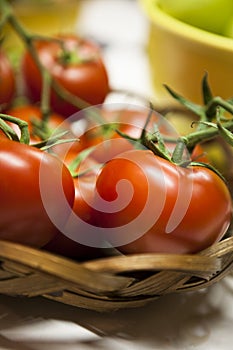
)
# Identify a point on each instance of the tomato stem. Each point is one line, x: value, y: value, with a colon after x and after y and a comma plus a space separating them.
x: 8, y: 131
x: 75, y: 163
x: 213, y: 109
x: 67, y: 57
x: 218, y: 102
x: 23, y: 126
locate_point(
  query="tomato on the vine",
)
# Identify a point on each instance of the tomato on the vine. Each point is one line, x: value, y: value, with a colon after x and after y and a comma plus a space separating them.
x: 7, y: 81
x: 30, y: 113
x: 33, y: 182
x: 56, y: 124
x: 157, y: 206
x: 84, y: 185
x: 75, y: 63
x: 103, y: 132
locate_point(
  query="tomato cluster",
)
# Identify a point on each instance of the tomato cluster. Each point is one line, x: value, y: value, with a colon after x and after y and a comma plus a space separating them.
x: 75, y: 68
x: 93, y: 180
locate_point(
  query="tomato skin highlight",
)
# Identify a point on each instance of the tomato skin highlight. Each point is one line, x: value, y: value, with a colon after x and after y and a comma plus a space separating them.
x: 23, y: 215
x: 7, y: 81
x: 192, y: 207
x: 86, y: 78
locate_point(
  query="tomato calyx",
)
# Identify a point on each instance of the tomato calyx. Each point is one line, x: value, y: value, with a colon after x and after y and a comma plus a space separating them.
x: 72, y: 57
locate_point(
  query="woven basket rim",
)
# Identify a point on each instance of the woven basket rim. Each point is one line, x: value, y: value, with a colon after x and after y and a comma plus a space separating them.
x: 112, y: 282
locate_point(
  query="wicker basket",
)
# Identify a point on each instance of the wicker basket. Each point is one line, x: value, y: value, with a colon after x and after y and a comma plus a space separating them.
x: 110, y: 283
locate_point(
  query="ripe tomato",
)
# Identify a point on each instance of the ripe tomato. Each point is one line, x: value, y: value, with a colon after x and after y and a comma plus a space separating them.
x: 78, y: 67
x: 56, y: 124
x: 7, y: 81
x: 33, y: 183
x: 104, y: 136
x: 84, y: 195
x: 3, y: 135
x: 148, y: 204
x: 199, y: 155
x: 29, y: 113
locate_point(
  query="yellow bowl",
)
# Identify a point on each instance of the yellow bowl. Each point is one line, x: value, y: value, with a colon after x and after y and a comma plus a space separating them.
x: 180, y: 54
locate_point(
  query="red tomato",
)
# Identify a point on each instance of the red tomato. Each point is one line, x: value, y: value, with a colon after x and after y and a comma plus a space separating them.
x: 32, y: 184
x: 84, y: 194
x: 199, y: 155
x: 55, y: 125
x: 79, y: 68
x: 7, y: 81
x: 3, y: 135
x: 84, y: 185
x: 28, y: 113
x: 104, y: 136
x: 156, y: 206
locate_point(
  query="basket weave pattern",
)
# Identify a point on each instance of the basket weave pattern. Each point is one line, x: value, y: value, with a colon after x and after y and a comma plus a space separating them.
x: 110, y: 283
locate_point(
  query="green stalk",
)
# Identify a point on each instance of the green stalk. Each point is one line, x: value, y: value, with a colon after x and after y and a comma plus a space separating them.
x: 23, y: 126
x: 218, y: 102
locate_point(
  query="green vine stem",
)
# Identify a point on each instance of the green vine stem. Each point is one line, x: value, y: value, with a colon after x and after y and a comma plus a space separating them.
x: 10, y: 133
x: 191, y: 140
x: 211, y: 123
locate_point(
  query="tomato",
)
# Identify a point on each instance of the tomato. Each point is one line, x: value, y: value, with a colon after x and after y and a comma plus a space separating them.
x: 199, y: 155
x: 131, y: 123
x: 33, y: 184
x: 29, y: 113
x: 56, y: 124
x: 3, y: 136
x: 210, y: 15
x: 84, y: 185
x: 148, y: 204
x: 7, y: 81
x: 103, y: 134
x: 84, y: 194
x: 79, y: 68
x: 108, y: 143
